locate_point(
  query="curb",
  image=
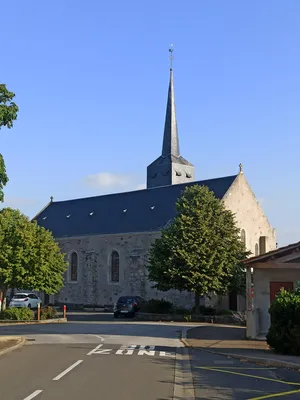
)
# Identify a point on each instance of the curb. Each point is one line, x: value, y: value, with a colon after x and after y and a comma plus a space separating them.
x: 44, y: 321
x: 269, y: 362
x: 15, y: 347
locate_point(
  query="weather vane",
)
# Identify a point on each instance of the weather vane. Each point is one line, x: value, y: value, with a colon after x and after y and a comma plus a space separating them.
x: 171, y: 49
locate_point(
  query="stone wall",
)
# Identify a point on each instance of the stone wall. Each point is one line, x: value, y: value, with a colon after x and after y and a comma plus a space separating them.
x: 249, y: 215
x: 94, y: 285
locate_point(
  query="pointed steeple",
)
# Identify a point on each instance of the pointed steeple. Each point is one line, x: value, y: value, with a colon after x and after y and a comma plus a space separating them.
x: 170, y: 168
x: 171, y: 141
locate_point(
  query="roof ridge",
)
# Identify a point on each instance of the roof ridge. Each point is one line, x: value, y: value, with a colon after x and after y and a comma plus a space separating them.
x: 146, y: 189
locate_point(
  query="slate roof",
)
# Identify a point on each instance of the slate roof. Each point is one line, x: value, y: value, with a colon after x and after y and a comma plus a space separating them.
x: 146, y: 210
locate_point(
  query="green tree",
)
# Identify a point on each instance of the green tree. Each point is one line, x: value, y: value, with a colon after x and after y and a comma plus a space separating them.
x: 29, y: 256
x: 200, y: 250
x: 8, y: 114
x: 284, y: 333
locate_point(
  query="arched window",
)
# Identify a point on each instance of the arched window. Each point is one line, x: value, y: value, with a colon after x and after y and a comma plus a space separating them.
x: 243, y: 236
x: 74, y: 266
x: 115, y: 266
x: 256, y: 249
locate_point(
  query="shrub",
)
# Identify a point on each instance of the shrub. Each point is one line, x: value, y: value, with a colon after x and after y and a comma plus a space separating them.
x: 225, y: 312
x: 156, y: 306
x: 17, y: 314
x: 48, y: 313
x: 203, y: 310
x: 284, y: 332
x: 181, y: 311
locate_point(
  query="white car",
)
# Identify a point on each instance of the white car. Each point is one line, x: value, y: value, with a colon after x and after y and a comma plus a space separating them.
x: 25, y: 299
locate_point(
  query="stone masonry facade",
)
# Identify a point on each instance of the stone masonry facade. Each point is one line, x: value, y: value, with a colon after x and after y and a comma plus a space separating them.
x: 94, y: 284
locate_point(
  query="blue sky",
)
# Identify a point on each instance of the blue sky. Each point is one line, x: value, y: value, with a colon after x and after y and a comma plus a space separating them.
x: 91, y: 83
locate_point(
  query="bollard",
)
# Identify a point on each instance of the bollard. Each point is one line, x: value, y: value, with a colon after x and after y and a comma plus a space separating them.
x: 0, y: 304
x: 65, y: 311
x: 39, y: 311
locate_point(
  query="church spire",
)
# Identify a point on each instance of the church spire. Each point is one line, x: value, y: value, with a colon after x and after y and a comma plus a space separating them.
x: 170, y: 167
x: 170, y: 141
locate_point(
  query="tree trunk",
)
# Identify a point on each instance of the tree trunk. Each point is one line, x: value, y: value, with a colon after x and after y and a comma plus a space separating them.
x: 197, y: 303
x: 3, y: 299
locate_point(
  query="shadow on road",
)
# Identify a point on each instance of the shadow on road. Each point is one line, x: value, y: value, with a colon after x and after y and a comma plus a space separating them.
x: 212, y: 332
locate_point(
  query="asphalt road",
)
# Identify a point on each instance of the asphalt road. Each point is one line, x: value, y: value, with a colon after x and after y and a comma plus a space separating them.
x: 70, y: 372
x: 225, y: 378
x: 109, y: 359
x: 116, y: 359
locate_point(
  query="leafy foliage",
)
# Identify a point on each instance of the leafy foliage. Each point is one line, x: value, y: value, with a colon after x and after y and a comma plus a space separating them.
x: 157, y: 306
x: 48, y: 313
x: 284, y: 332
x: 8, y: 108
x: 200, y: 250
x: 29, y: 256
x: 8, y: 114
x: 17, y: 314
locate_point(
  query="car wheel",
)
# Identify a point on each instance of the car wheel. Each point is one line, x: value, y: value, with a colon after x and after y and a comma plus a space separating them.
x: 116, y: 315
x: 29, y: 306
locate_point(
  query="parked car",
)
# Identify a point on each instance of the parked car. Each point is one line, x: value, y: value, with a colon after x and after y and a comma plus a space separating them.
x: 128, y: 305
x: 25, y: 299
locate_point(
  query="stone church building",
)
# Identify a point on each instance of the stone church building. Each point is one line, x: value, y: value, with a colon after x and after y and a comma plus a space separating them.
x: 106, y: 238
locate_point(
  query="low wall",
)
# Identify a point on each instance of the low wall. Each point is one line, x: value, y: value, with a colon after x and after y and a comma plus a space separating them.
x: 217, y: 319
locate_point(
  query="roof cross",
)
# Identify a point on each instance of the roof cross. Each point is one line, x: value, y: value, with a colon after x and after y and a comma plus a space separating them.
x: 171, y: 49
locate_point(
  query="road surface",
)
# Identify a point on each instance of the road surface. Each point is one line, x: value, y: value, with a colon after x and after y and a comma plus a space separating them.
x: 107, y: 359
x: 121, y: 359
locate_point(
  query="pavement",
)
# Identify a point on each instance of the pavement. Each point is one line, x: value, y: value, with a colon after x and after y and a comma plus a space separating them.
x: 105, y: 359
x: 231, y: 341
x: 128, y: 360
x: 220, y: 377
x: 9, y: 343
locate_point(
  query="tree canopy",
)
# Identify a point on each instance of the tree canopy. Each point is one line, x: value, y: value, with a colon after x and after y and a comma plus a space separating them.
x: 29, y: 256
x: 200, y: 250
x: 8, y: 114
x: 8, y: 108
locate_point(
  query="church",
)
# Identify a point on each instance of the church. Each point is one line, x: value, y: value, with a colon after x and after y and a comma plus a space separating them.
x: 106, y: 238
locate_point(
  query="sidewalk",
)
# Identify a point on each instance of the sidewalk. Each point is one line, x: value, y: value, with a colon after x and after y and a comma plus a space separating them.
x: 9, y: 343
x: 231, y: 341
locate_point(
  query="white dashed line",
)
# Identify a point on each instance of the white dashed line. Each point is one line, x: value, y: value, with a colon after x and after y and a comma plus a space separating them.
x: 67, y: 370
x: 32, y: 395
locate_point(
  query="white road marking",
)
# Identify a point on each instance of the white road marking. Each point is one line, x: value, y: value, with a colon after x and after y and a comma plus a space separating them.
x: 97, y: 351
x: 129, y: 350
x: 166, y: 354
x: 100, y: 337
x: 146, y: 353
x: 32, y: 395
x: 147, y: 347
x: 67, y: 370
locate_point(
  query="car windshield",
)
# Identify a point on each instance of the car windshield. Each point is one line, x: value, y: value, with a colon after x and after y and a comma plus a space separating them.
x: 20, y: 296
x: 126, y: 300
